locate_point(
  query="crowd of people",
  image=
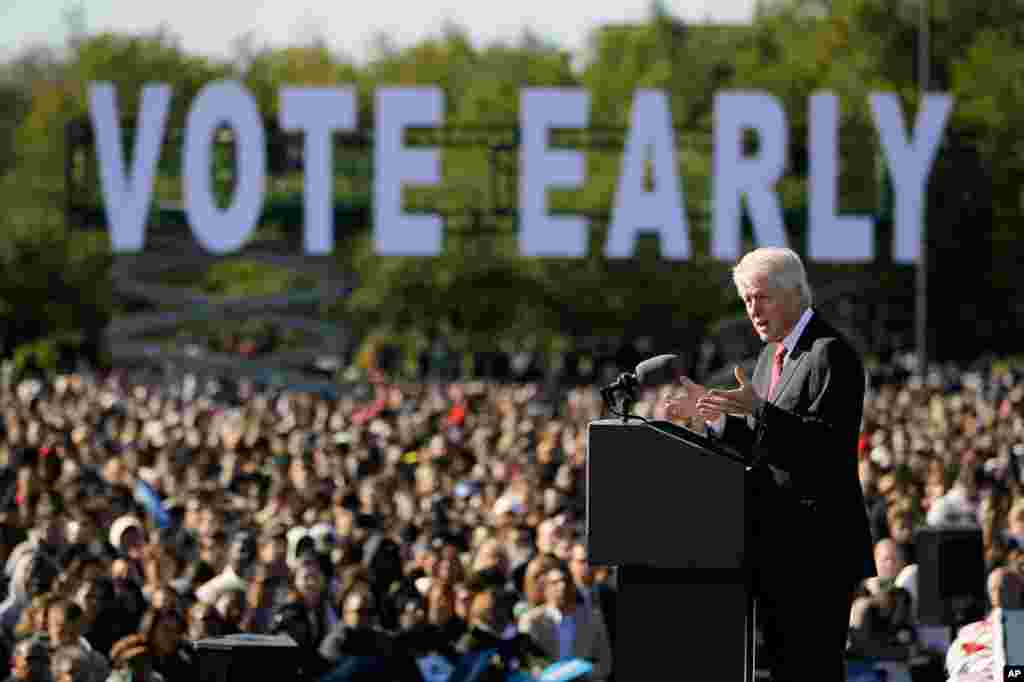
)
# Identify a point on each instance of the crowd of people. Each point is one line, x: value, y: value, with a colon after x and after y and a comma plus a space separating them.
x: 416, y: 532
x: 393, y: 535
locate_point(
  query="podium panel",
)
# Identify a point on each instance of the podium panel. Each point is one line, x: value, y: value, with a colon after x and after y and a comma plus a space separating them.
x: 668, y: 507
x: 660, y: 502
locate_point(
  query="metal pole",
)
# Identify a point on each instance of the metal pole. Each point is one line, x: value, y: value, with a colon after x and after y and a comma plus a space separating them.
x: 921, y: 298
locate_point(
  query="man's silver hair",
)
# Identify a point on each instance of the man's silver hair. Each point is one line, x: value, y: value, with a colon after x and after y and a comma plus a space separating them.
x: 782, y: 268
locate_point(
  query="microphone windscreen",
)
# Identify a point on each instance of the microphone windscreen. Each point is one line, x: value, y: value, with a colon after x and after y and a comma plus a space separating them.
x: 659, y: 370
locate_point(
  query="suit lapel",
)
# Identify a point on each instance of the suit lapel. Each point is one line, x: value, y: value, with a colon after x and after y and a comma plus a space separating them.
x: 797, y: 357
x: 790, y: 367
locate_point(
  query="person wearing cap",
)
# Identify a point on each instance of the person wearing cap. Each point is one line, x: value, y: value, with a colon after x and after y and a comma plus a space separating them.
x: 128, y: 537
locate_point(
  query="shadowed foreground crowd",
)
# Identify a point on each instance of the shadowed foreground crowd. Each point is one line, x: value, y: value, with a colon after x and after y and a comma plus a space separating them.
x: 390, y: 535
x: 395, y: 534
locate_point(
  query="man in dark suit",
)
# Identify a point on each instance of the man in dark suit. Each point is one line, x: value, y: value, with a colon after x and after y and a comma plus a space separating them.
x: 798, y: 421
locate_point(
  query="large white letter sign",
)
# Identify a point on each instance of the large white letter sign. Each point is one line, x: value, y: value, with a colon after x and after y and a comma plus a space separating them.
x: 736, y: 176
x: 224, y: 103
x: 318, y: 112
x: 126, y: 199
x: 832, y: 237
x: 396, y: 233
x: 910, y: 162
x: 635, y: 209
x: 540, y: 110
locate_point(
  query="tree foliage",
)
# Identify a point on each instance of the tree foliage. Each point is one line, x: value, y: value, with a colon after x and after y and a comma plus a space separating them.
x: 480, y: 289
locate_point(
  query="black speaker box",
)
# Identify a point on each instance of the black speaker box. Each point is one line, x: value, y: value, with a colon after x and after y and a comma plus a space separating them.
x: 238, y: 658
x: 950, y: 575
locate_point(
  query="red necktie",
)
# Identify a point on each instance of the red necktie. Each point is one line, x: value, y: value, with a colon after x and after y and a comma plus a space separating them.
x: 780, y: 353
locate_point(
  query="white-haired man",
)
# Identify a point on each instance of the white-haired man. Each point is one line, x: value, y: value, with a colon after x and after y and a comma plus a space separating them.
x: 798, y: 420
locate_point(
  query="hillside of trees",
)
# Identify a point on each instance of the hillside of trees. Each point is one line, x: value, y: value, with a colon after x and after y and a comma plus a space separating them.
x: 54, y: 279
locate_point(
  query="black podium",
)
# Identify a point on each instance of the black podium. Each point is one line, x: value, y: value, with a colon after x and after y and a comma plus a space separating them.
x: 667, y: 507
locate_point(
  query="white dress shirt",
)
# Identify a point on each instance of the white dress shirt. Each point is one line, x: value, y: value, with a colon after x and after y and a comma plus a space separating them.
x: 790, y: 343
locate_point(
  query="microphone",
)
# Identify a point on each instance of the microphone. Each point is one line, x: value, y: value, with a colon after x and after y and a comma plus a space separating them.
x: 659, y: 370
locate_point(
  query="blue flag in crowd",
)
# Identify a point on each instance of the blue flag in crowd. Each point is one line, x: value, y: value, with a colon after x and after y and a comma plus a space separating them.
x: 151, y: 502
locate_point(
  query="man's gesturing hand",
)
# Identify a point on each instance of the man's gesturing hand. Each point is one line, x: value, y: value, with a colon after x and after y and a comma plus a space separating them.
x: 683, y: 404
x: 740, y: 401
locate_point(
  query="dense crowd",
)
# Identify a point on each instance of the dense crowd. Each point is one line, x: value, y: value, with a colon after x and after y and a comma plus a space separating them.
x: 397, y: 533
x: 401, y: 530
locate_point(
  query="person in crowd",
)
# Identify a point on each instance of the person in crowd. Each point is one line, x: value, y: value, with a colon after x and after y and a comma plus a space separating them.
x: 308, y: 615
x: 70, y: 664
x: 164, y: 634
x: 231, y: 605
x: 30, y: 660
x: 64, y: 628
x: 95, y: 598
x: 129, y: 604
x: 204, y: 621
x: 196, y: 573
x: 360, y: 648
x: 491, y: 627
x: 128, y: 538
x: 33, y: 575
x: 889, y: 562
x: 258, y: 602
x: 565, y: 629
x: 881, y: 629
x: 132, y: 661
x: 241, y: 561
x: 533, y: 588
x: 972, y: 651
x: 454, y: 480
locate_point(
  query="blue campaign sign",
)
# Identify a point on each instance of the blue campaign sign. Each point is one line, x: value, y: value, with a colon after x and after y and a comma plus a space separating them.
x: 519, y: 677
x: 152, y: 503
x: 471, y: 666
x: 434, y: 668
x: 566, y: 670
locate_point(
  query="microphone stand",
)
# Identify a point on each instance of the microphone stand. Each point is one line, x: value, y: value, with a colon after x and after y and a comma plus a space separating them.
x: 624, y: 406
x: 673, y: 431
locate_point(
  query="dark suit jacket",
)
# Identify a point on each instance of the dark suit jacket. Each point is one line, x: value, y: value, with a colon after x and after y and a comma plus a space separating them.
x: 803, y: 445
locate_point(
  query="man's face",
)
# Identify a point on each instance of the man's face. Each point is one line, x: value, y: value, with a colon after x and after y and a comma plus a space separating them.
x: 887, y: 560
x: 772, y: 311
x: 358, y: 611
x: 59, y: 629
x: 556, y: 587
x: 581, y: 571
